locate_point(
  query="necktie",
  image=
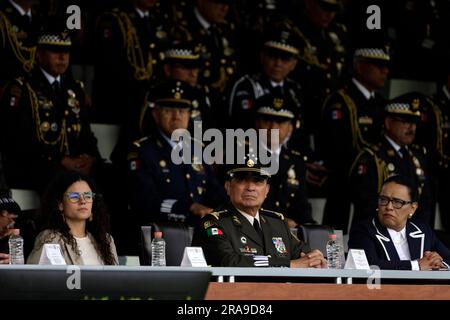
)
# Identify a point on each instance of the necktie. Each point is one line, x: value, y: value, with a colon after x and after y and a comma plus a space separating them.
x: 258, y: 229
x: 55, y: 86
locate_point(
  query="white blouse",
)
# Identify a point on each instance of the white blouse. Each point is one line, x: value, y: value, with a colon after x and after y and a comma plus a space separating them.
x: 88, y: 252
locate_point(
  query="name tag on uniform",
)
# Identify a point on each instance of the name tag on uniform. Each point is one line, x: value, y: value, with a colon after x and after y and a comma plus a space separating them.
x: 365, y: 120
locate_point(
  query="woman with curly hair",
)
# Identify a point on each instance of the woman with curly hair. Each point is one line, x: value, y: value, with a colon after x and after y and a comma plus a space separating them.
x: 74, y: 217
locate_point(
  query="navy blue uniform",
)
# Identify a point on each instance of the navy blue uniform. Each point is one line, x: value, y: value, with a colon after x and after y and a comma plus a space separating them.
x: 161, y: 190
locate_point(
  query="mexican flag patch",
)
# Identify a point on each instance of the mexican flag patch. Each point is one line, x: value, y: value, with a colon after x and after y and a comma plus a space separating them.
x: 214, y: 232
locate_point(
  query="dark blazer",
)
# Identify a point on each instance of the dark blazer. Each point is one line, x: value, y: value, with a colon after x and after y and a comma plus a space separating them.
x: 374, y: 238
x: 229, y: 240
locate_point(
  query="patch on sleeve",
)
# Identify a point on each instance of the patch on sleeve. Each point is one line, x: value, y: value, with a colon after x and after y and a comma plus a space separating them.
x: 336, y: 115
x: 135, y: 165
x: 362, y: 169
x: 214, y: 231
x: 246, y: 104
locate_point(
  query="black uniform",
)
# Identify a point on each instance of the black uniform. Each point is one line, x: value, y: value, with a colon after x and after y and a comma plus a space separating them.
x: 41, y: 125
x: 288, y: 188
x: 350, y: 122
x: 127, y: 55
x: 229, y: 240
x: 161, y: 190
x: 218, y: 51
x: 18, y: 36
x: 321, y: 67
x: 373, y: 166
x: 438, y: 138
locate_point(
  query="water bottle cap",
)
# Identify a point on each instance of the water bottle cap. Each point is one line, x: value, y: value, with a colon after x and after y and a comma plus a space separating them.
x: 158, y: 234
x: 332, y: 236
x: 15, y: 232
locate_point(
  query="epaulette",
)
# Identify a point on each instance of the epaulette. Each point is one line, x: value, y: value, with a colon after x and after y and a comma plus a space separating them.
x: 137, y: 143
x: 80, y: 83
x: 216, y: 214
x: 272, y: 213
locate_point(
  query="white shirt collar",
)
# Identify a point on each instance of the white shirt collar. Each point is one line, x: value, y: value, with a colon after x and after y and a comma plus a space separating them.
x: 141, y: 13
x: 397, y: 234
x: 363, y: 89
x: 51, y: 78
x: 250, y: 218
x: 205, y: 24
x: 446, y: 92
x: 19, y: 8
x: 172, y: 143
x: 396, y: 146
x: 276, y: 84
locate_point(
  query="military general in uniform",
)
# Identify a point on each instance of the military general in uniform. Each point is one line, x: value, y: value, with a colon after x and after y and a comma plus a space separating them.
x: 393, y: 155
x: 45, y: 126
x: 242, y: 234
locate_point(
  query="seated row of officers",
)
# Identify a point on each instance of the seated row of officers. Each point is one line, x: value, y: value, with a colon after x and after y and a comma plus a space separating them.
x: 46, y: 128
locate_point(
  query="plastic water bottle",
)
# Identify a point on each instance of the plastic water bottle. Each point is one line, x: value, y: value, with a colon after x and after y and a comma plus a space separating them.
x: 158, y: 250
x: 333, y: 253
x: 16, y: 248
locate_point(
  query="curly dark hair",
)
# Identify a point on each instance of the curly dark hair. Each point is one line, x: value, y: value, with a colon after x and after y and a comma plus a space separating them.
x: 52, y: 219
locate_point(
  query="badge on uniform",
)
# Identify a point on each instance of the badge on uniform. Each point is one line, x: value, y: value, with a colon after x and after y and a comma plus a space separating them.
x: 279, y: 244
x: 248, y: 249
x: 135, y: 165
x: 214, y: 232
x: 336, y: 115
x: 292, y: 178
x: 246, y: 104
x: 362, y: 169
x: 243, y: 240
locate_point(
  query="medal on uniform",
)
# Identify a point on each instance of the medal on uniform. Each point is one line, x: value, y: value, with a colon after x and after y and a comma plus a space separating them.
x: 279, y: 244
x: 162, y: 163
x: 45, y: 126
x: 200, y: 190
x: 160, y: 34
x: 292, y: 178
x: 244, y: 240
x: 197, y: 167
x: 391, y: 167
x: 54, y: 127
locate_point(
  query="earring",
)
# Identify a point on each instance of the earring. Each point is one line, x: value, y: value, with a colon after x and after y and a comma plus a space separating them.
x: 410, y: 215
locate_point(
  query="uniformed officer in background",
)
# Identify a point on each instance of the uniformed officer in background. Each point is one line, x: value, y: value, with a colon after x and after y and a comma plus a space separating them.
x: 279, y: 56
x: 352, y: 119
x: 207, y: 24
x: 393, y: 155
x: 289, y: 188
x: 243, y: 234
x: 19, y: 28
x: 159, y: 189
x: 129, y: 44
x: 45, y: 126
x: 323, y: 62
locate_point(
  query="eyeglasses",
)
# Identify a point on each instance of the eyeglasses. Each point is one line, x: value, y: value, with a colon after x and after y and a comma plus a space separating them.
x: 396, y: 203
x: 74, y: 197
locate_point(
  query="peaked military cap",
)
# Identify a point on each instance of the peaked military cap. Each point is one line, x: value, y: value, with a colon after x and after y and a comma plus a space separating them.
x: 7, y: 203
x: 174, y: 94
x: 275, y: 106
x: 282, y: 40
x: 249, y: 166
x: 184, y: 53
x: 330, y: 5
x: 406, y: 107
x: 373, y: 46
x: 55, y: 36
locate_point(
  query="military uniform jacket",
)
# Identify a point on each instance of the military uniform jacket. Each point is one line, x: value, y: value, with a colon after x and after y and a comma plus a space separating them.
x: 350, y: 122
x: 229, y: 240
x: 322, y: 64
x: 161, y: 190
x: 288, y: 188
x: 251, y: 87
x: 374, y: 238
x: 128, y: 53
x: 373, y: 166
x: 18, y: 38
x: 218, y: 50
x: 40, y: 126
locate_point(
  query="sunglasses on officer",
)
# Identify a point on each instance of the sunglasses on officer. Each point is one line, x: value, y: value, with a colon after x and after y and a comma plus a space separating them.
x: 75, y: 197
